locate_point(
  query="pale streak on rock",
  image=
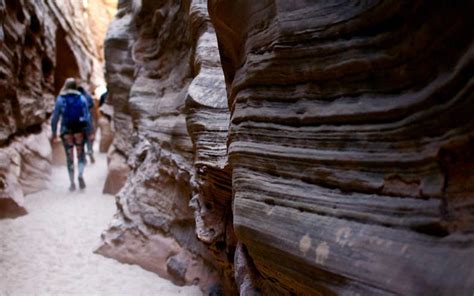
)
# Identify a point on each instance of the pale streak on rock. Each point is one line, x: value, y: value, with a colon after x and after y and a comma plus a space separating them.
x: 322, y: 253
x: 305, y: 244
x: 343, y: 236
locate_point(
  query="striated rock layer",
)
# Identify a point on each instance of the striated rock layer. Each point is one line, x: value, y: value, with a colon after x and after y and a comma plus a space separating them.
x: 207, y: 119
x: 348, y: 165
x: 351, y: 145
x: 170, y: 120
x: 41, y: 44
x: 23, y: 166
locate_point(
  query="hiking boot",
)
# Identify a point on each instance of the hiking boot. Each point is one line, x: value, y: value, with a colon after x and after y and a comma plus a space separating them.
x: 72, y: 187
x: 91, y: 156
x: 82, y: 184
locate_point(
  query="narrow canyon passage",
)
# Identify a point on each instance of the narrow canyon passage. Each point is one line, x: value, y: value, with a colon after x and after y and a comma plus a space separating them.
x: 49, y: 251
x: 253, y: 147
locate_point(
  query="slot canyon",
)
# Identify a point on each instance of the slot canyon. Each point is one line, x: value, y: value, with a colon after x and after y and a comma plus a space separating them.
x: 272, y: 147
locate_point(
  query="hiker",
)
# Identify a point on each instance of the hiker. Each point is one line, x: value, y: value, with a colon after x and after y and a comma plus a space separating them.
x: 72, y: 108
x: 90, y: 137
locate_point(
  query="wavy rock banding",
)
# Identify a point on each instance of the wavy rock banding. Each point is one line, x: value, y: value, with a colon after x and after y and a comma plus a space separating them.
x: 167, y: 90
x: 331, y: 154
x: 351, y: 143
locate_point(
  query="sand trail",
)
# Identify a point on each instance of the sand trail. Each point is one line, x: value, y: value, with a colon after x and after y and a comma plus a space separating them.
x: 49, y: 251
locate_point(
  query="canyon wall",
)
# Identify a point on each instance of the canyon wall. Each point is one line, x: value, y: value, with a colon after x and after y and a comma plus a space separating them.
x: 339, y: 145
x: 99, y: 15
x: 351, y: 144
x: 170, y: 119
x: 41, y: 44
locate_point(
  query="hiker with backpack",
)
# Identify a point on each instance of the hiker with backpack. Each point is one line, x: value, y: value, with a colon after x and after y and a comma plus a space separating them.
x: 89, y: 137
x: 73, y: 110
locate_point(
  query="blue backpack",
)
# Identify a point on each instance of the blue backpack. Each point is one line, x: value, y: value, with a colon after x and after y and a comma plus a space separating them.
x: 73, y: 112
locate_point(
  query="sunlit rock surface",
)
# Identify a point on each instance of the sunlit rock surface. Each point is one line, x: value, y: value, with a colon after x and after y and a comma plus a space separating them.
x: 170, y: 121
x: 41, y: 44
x: 350, y: 145
x: 99, y: 15
x: 106, y: 133
x: 118, y: 170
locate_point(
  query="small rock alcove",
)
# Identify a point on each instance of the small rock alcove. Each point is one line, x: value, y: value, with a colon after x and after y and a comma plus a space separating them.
x: 66, y: 64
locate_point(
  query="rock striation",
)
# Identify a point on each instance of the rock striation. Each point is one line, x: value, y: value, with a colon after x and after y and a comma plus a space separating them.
x: 351, y: 145
x: 23, y: 166
x: 120, y: 68
x: 311, y: 148
x: 170, y: 119
x: 41, y: 44
x: 207, y: 119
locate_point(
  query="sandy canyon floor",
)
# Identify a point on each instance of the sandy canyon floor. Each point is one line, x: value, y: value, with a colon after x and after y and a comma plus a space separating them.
x: 49, y: 251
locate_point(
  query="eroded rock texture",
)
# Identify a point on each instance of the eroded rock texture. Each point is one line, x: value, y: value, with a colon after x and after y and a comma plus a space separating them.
x: 120, y: 69
x: 208, y: 120
x: 41, y: 44
x: 170, y: 120
x: 23, y: 166
x: 351, y: 145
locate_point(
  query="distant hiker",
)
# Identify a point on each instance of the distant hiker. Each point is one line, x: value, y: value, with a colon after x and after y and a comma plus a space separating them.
x: 91, y: 136
x: 73, y: 110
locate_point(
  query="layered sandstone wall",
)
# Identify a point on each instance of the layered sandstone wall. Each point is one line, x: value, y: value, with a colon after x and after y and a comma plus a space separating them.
x: 120, y: 69
x: 41, y: 44
x: 351, y: 144
x: 339, y: 145
x: 170, y: 119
